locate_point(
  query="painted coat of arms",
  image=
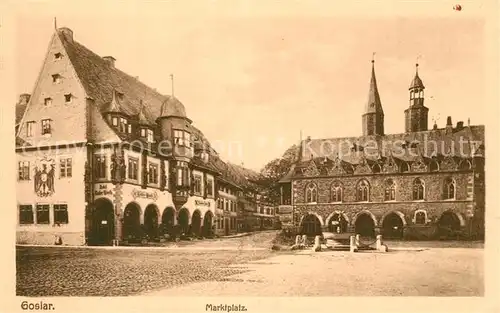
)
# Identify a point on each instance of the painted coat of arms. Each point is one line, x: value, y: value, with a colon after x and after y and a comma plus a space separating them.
x: 44, y: 177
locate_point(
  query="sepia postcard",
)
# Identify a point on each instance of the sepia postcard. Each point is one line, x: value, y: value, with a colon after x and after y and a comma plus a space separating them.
x: 250, y: 156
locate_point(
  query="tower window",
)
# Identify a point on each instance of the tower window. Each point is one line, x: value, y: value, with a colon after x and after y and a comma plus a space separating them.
x: 150, y: 135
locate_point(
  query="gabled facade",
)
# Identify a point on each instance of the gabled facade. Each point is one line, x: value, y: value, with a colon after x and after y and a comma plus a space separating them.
x: 416, y: 184
x: 105, y: 159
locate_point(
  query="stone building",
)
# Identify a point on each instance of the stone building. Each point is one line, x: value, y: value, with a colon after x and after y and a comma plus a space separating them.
x: 104, y: 159
x: 417, y: 184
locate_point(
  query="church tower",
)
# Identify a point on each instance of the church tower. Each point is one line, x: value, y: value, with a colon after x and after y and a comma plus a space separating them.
x: 373, y: 118
x: 416, y: 114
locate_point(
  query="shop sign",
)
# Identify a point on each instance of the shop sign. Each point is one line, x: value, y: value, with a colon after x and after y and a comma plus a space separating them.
x: 102, y: 190
x: 202, y: 203
x: 144, y: 194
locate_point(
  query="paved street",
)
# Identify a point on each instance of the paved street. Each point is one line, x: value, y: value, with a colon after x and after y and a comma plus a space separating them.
x: 245, y: 266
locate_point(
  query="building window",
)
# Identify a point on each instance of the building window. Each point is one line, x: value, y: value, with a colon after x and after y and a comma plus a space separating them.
x: 210, y: 187
x: 65, y: 167
x: 129, y: 129
x: 150, y: 135
x: 47, y: 101
x: 46, y: 126
x: 390, y: 190
x: 100, y: 168
x: 153, y: 174
x: 29, y: 128
x: 42, y: 214
x: 114, y: 121
x: 57, y: 56
x: 68, y: 98
x: 336, y: 192
x: 123, y: 125
x: 143, y: 132
x: 24, y: 170
x: 26, y: 214
x: 56, y: 78
x: 133, y: 168
x: 311, y: 193
x: 197, y: 185
x: 470, y: 188
x: 60, y: 214
x: 182, y: 174
x: 449, y: 189
x: 405, y: 167
x: 182, y: 138
x: 434, y: 167
x: 363, y: 191
x: 418, y: 189
x: 226, y: 205
x: 420, y: 217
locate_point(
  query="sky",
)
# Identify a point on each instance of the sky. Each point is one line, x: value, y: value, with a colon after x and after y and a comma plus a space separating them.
x: 253, y: 78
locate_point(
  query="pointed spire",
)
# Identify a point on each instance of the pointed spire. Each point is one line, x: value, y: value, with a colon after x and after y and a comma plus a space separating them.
x: 142, y: 116
x: 55, y: 23
x: 416, y: 82
x: 374, y: 105
x: 172, y: 79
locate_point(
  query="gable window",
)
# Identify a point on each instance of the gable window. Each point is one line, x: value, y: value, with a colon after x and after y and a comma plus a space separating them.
x: 60, y: 214
x: 133, y: 168
x: 153, y: 174
x: 405, y: 167
x: 363, y: 191
x: 449, y: 189
x: 100, y: 166
x: 42, y: 214
x: 311, y: 193
x: 57, y: 56
x: 390, y: 190
x: 29, y: 128
x: 46, y: 127
x: 26, y: 214
x: 24, y: 170
x: 65, y: 167
x: 210, y: 187
x: 56, y: 78
x: 68, y: 97
x: 336, y: 195
x: 434, y: 167
x: 197, y: 185
x: 418, y: 189
x: 47, y: 101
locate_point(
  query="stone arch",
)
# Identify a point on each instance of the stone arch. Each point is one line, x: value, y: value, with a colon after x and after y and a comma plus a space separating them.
x: 131, y: 222
x: 457, y: 214
x: 310, y: 224
x: 151, y: 220
x: 392, y: 224
x: 196, y: 221
x: 184, y: 219
x: 207, y: 223
x: 339, y: 227
x: 449, y: 224
x: 365, y: 212
x: 315, y: 214
x: 416, y: 214
x: 398, y: 213
x: 365, y: 223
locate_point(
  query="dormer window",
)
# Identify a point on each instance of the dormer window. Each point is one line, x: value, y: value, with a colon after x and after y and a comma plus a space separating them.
x: 56, y: 78
x: 120, y: 95
x: 150, y: 135
x: 68, y: 98
x: 47, y: 101
x: 58, y: 56
x: 123, y: 125
x: 114, y: 121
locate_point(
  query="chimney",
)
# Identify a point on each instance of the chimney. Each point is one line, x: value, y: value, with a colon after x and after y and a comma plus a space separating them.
x: 460, y: 125
x: 449, y: 125
x: 110, y: 60
x: 24, y: 98
x: 67, y: 33
x: 308, y: 138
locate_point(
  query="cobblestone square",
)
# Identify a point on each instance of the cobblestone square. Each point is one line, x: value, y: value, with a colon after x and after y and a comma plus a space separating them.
x: 244, y: 266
